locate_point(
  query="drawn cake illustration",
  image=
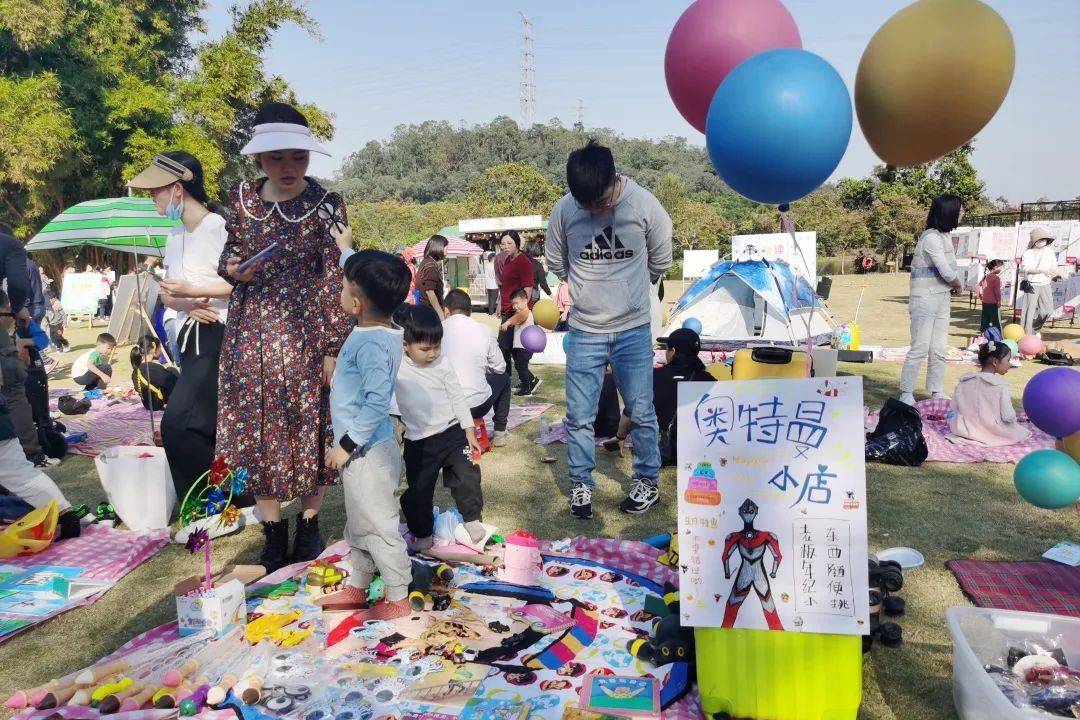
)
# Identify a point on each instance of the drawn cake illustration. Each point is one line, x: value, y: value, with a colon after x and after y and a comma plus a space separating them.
x: 701, y: 488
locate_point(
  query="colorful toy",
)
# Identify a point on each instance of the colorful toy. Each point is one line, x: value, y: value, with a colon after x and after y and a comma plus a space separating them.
x: 670, y: 641
x: 110, y: 688
x: 910, y: 72
x: 763, y: 103
x: 325, y: 577
x: 1071, y: 446
x: 1012, y: 331
x: 711, y: 38
x: 424, y: 577
x: 115, y: 701
x: 1048, y: 479
x: 267, y: 625
x: 31, y: 533
x: 174, y: 678
x: 57, y: 697
x: 273, y: 592
x: 1052, y: 401
x: 217, y: 694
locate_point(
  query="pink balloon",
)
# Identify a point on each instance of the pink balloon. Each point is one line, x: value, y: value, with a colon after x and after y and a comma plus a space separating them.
x: 1030, y: 345
x: 714, y: 36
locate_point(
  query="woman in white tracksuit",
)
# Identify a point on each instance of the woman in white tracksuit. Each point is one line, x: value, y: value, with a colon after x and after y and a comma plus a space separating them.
x: 933, y: 278
x: 1039, y: 266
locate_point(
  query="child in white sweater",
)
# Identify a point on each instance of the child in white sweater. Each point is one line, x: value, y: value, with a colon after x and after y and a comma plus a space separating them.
x: 439, y: 433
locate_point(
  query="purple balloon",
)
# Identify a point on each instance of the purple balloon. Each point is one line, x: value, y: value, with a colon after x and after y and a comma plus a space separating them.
x: 1052, y: 401
x: 534, y: 339
x: 711, y: 38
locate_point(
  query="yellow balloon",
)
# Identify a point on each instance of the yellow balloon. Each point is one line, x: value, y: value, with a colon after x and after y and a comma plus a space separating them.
x: 1013, y: 332
x: 1071, y: 446
x: 546, y: 314
x: 931, y: 78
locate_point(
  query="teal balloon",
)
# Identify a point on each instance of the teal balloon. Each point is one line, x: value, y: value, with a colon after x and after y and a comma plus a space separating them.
x: 1049, y: 479
x: 1011, y: 344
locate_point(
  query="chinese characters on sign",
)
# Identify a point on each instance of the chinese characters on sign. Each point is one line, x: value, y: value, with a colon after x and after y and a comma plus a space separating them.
x: 772, y: 510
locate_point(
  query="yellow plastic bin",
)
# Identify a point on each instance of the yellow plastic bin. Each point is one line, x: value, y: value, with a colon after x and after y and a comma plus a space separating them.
x: 769, y: 675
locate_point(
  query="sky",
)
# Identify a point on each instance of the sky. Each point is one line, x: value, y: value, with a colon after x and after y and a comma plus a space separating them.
x: 380, y: 64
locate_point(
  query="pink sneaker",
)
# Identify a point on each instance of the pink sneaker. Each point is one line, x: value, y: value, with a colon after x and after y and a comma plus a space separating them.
x: 348, y: 598
x: 386, y: 610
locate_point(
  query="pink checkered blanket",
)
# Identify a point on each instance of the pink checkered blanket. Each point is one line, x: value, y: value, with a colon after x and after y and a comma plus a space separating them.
x: 104, y: 553
x: 936, y: 433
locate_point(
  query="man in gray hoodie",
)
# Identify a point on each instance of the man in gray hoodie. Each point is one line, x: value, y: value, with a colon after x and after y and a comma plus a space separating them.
x: 610, y: 239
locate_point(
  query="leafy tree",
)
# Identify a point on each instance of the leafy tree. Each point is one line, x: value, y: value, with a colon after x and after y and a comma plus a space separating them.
x: 701, y: 225
x: 952, y: 173
x: 894, y: 221
x: 839, y: 230
x: 511, y: 189
x: 91, y: 89
x: 388, y: 223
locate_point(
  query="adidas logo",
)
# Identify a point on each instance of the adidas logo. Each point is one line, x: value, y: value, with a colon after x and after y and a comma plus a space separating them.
x: 606, y: 246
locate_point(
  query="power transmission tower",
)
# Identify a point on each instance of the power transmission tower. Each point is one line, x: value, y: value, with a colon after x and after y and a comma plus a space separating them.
x: 528, y: 87
x: 580, y: 114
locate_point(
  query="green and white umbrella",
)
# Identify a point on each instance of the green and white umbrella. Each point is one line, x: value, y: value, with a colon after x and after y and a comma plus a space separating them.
x: 112, y: 223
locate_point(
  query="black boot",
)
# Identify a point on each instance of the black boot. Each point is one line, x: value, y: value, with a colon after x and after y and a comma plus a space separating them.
x: 308, y: 542
x: 275, y: 546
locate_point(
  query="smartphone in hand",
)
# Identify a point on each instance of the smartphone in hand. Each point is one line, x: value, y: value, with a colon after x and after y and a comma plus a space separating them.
x: 258, y: 257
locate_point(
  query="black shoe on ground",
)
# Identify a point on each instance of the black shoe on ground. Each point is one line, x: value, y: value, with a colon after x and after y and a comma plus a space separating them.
x: 613, y: 444
x: 581, y: 501
x: 536, y: 382
x: 275, y: 545
x: 308, y: 542
x: 68, y: 526
x: 642, y: 497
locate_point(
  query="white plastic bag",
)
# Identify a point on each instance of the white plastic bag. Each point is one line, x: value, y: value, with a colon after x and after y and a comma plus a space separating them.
x: 139, y: 485
x: 445, y: 522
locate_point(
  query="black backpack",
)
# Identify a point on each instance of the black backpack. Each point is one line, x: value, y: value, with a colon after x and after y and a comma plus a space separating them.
x: 70, y: 405
x: 897, y: 439
x: 52, y: 441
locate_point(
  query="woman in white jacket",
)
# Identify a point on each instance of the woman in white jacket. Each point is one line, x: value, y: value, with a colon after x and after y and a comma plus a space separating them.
x: 933, y: 279
x: 1039, y: 266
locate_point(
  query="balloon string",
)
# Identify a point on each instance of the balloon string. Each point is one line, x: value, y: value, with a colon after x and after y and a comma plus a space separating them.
x: 788, y: 226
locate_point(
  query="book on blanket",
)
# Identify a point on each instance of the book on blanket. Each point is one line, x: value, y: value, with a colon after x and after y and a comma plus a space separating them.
x: 631, y: 697
x: 41, y: 590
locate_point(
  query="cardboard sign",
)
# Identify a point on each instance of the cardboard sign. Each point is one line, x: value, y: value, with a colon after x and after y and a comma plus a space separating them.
x: 772, y: 505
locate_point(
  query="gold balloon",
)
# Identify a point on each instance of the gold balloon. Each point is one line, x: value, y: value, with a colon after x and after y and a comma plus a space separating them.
x: 1071, y: 445
x: 1013, y: 331
x: 931, y: 78
x: 546, y: 314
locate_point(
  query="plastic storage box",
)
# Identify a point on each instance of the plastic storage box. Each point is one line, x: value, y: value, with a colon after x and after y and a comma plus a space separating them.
x: 769, y: 675
x: 979, y: 636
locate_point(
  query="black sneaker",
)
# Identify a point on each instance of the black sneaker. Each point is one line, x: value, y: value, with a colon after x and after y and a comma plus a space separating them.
x: 44, y: 461
x: 642, y: 497
x: 613, y: 444
x: 535, y: 385
x: 521, y: 392
x: 68, y: 526
x: 581, y: 501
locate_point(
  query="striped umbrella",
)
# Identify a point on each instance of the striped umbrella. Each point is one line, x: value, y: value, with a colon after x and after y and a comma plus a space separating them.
x: 112, y: 223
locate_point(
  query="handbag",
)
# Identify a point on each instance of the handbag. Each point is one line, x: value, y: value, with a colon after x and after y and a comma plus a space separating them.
x: 1026, y: 286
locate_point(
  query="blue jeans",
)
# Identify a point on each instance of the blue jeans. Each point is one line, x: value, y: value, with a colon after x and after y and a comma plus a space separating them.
x: 631, y: 356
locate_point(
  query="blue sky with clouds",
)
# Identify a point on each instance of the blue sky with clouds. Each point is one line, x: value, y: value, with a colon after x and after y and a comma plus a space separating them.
x: 380, y: 64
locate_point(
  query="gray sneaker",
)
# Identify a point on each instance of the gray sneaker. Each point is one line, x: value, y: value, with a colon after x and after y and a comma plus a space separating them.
x: 500, y: 438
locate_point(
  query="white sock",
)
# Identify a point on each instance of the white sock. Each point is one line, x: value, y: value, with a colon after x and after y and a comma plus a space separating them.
x: 907, y: 398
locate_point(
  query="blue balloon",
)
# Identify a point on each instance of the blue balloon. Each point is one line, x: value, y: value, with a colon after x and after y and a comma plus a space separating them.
x: 692, y: 324
x: 778, y: 125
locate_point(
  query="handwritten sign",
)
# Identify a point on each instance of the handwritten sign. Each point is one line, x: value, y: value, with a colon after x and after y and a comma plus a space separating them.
x: 772, y: 505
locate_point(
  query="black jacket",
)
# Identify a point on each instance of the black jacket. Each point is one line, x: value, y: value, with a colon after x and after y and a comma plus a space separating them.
x: 13, y: 269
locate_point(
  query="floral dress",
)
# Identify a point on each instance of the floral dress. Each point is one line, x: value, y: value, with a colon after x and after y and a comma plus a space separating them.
x: 273, y: 411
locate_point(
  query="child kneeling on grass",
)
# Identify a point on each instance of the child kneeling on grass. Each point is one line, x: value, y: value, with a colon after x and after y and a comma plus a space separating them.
x: 375, y: 284
x: 439, y: 434
x: 983, y: 412
x: 93, y: 369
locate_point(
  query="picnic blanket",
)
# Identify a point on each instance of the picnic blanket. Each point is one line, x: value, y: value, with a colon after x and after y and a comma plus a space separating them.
x: 112, y: 423
x: 100, y: 557
x: 601, y: 583
x: 1042, y: 587
x: 953, y: 356
x: 934, y: 412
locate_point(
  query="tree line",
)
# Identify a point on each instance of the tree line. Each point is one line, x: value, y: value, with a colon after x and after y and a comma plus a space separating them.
x: 433, y: 174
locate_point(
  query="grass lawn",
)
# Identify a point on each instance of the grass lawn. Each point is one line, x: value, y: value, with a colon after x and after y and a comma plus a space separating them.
x: 946, y: 511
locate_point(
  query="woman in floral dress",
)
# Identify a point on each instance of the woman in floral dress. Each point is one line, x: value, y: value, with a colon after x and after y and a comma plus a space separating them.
x: 285, y: 329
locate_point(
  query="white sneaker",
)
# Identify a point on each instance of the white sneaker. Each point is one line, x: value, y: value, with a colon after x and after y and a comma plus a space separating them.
x: 463, y: 536
x: 907, y: 398
x: 642, y: 497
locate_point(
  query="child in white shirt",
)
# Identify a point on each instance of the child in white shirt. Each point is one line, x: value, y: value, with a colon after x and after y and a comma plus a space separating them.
x: 439, y: 433
x: 521, y: 319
